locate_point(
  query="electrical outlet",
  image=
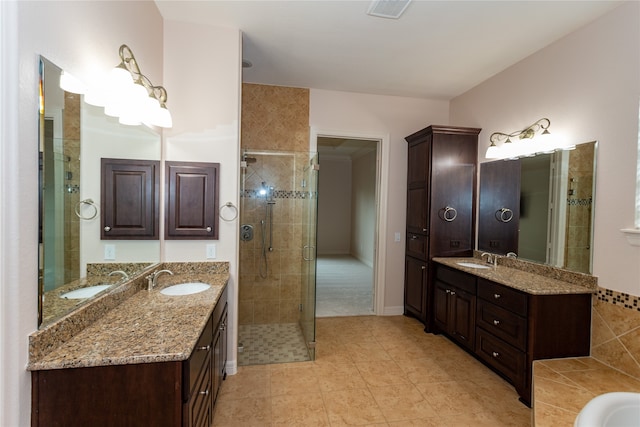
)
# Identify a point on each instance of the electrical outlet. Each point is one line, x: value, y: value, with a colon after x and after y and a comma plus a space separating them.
x: 397, y: 236
x: 110, y: 252
x: 211, y: 251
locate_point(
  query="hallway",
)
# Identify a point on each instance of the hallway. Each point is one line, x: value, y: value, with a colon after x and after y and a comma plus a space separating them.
x: 370, y: 370
x: 344, y: 286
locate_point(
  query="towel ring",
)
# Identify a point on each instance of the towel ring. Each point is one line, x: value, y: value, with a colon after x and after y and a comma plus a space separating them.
x: 449, y: 213
x: 86, y: 202
x: 504, y: 215
x: 230, y: 206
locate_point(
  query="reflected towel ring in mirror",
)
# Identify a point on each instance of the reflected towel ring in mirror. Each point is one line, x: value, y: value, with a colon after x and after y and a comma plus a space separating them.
x: 86, y: 202
x: 230, y: 206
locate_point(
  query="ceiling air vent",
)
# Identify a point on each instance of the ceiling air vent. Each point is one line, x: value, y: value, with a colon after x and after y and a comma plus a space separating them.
x: 388, y: 8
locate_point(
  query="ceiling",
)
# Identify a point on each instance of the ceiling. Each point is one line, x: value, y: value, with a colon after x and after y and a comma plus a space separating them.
x: 436, y: 50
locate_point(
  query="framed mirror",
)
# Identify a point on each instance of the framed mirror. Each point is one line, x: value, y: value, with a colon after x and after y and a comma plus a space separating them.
x: 74, y: 264
x: 540, y: 207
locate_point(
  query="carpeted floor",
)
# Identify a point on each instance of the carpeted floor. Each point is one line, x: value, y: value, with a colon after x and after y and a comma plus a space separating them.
x: 344, y: 286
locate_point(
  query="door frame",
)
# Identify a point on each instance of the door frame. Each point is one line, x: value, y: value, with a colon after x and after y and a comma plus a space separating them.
x: 382, y: 185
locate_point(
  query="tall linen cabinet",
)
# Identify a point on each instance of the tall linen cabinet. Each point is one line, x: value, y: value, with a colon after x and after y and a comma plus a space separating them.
x: 441, y: 199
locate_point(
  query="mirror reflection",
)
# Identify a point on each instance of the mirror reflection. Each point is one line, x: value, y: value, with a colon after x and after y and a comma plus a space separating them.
x: 540, y: 208
x: 74, y: 264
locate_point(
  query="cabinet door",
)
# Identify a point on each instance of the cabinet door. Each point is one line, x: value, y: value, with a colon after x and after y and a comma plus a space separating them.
x: 418, y: 185
x: 192, y: 200
x: 441, y: 293
x: 415, y: 288
x: 453, y: 189
x: 462, y: 317
x: 129, y: 199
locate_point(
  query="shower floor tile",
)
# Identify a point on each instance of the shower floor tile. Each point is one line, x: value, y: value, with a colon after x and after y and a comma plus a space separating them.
x: 271, y: 343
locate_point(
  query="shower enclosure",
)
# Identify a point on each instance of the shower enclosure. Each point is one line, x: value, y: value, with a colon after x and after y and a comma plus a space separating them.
x: 277, y: 257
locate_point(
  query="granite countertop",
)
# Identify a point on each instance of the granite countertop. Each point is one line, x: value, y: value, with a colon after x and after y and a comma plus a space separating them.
x: 147, y: 327
x: 518, y: 279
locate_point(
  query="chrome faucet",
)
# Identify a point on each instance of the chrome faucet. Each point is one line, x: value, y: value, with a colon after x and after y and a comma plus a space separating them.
x: 512, y: 255
x: 152, y: 279
x: 124, y: 275
x: 491, y: 258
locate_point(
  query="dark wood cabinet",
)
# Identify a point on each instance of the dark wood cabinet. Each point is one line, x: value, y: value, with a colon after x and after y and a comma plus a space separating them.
x: 499, y: 211
x: 511, y: 328
x: 191, y: 209
x: 454, y: 306
x: 415, y: 286
x: 129, y: 199
x: 441, y: 192
x: 176, y: 393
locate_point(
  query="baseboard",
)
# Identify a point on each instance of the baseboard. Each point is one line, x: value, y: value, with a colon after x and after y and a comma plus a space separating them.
x: 393, y: 311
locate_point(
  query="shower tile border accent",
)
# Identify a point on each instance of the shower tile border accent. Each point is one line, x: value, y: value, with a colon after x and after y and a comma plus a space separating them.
x: 277, y: 194
x: 619, y: 299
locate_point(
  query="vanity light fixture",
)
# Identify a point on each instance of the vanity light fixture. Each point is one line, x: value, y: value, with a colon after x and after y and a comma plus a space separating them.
x: 525, y: 145
x: 70, y: 83
x: 130, y: 95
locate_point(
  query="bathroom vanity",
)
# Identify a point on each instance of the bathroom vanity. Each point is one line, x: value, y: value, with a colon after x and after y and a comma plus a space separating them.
x: 154, y: 359
x: 507, y: 317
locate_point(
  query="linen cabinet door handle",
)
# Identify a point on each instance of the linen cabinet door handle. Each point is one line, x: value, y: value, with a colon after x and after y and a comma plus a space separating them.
x: 206, y: 392
x: 424, y: 267
x: 496, y: 322
x: 495, y: 354
x: 204, y: 348
x: 496, y: 296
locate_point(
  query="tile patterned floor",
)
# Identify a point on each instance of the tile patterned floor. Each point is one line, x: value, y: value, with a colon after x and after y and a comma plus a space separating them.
x: 372, y: 371
x: 271, y: 343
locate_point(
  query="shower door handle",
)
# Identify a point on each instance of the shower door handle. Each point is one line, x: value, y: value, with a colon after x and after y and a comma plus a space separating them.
x: 307, y: 248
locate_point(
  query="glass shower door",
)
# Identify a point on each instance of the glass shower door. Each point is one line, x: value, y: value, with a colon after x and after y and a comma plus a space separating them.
x: 309, y: 227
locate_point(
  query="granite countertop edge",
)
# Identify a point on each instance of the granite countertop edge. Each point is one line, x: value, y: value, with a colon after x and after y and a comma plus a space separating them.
x: 148, y: 327
x: 524, y: 281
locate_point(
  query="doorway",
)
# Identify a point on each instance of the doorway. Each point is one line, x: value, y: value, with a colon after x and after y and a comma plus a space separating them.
x: 347, y: 224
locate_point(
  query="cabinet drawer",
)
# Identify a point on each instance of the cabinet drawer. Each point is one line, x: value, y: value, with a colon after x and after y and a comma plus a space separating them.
x: 417, y: 245
x: 199, y: 359
x: 504, y: 358
x: 463, y: 281
x: 503, y: 296
x: 503, y: 324
x: 198, y: 408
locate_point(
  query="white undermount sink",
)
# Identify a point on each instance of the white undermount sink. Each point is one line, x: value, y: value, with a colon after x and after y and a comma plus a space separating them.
x: 83, y: 293
x: 185, y: 289
x: 618, y: 409
x: 471, y: 265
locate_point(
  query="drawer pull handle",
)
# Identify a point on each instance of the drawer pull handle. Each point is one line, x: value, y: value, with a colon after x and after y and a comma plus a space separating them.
x: 223, y: 327
x: 414, y: 237
x: 495, y: 354
x: 453, y: 292
x: 424, y: 267
x: 204, y: 348
x: 496, y: 296
x: 496, y: 322
x: 448, y: 291
x: 206, y: 392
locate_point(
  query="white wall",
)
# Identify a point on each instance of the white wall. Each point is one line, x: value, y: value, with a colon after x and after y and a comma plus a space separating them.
x: 390, y: 119
x: 83, y: 38
x: 202, y: 66
x: 588, y: 85
x: 334, y: 205
x: 363, y: 208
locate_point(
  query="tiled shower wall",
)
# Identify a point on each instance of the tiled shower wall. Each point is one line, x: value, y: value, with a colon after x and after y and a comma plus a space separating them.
x: 579, y: 208
x: 71, y: 152
x: 615, y: 331
x: 275, y: 132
